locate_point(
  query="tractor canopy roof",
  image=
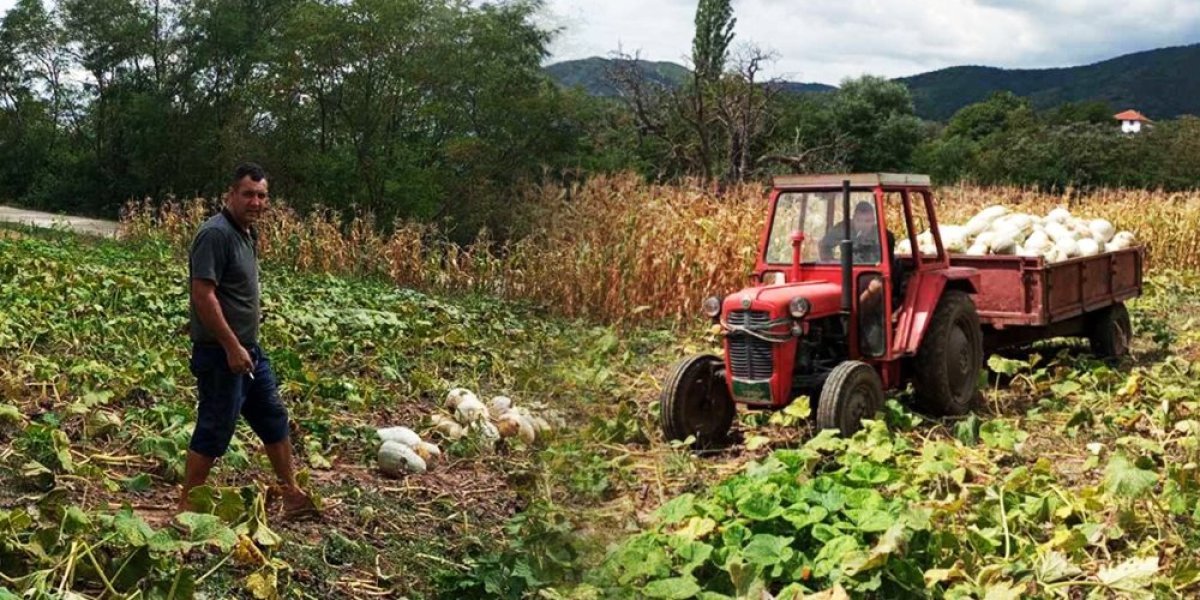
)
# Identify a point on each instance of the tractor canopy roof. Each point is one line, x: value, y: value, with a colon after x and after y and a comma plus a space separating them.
x: 857, y: 180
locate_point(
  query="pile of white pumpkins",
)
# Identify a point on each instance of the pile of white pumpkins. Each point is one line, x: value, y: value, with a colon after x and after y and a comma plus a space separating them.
x: 1057, y: 237
x: 404, y: 451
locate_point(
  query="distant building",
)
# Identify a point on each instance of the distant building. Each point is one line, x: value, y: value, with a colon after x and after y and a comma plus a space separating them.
x: 1133, y: 121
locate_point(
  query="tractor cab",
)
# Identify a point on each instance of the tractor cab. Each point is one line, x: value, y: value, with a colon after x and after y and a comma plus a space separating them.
x: 837, y: 309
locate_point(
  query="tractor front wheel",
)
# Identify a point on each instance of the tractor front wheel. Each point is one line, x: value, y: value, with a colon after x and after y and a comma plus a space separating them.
x: 851, y: 393
x: 695, y: 402
x: 950, y: 357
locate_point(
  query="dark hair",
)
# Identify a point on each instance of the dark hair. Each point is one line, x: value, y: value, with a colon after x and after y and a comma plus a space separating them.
x: 247, y: 169
x: 864, y: 207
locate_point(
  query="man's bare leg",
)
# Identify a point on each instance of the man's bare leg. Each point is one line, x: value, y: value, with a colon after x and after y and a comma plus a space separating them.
x: 280, y: 454
x: 195, y: 473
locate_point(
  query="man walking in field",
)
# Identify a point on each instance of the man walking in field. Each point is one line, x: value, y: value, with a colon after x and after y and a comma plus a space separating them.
x: 232, y: 373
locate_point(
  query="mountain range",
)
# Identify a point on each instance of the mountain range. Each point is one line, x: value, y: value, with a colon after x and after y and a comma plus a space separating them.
x: 1162, y: 83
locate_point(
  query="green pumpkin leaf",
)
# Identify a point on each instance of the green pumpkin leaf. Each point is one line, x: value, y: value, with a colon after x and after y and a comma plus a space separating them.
x: 676, y: 510
x: 674, y: 588
x: 1124, y: 479
x: 208, y: 529
x: 132, y: 529
x: 765, y: 550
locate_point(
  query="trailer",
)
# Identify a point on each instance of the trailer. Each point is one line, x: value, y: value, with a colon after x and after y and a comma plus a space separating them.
x: 1024, y: 299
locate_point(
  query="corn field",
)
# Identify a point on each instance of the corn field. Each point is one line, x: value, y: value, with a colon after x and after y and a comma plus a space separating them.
x: 620, y: 250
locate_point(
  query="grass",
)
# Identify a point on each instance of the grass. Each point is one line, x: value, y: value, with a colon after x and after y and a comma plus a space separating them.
x: 90, y: 330
x: 1076, y: 479
x: 96, y: 410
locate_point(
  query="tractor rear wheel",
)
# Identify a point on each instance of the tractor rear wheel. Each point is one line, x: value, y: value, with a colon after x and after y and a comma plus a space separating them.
x: 1111, y: 333
x: 946, y: 371
x: 851, y: 393
x: 695, y: 402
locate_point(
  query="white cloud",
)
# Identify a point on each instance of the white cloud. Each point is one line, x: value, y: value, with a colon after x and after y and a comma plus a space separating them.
x: 828, y: 40
x: 820, y: 40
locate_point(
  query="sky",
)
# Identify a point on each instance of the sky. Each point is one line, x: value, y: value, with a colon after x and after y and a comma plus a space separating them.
x: 828, y: 40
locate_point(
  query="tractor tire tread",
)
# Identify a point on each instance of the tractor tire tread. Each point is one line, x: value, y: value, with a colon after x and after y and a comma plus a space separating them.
x: 672, y: 422
x: 931, y: 382
x: 830, y: 403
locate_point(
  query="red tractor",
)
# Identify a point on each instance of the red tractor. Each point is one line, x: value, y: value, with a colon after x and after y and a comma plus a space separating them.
x: 836, y: 314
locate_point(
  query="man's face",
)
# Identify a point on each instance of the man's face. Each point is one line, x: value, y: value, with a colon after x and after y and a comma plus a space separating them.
x: 247, y: 200
x: 864, y: 222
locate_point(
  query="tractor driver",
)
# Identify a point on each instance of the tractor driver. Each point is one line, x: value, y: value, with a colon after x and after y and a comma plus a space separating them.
x: 863, y: 232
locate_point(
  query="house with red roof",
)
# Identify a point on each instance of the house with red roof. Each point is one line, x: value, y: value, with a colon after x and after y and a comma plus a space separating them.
x: 1133, y: 121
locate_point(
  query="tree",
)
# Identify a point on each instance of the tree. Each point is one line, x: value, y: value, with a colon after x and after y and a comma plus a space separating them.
x: 1003, y: 111
x: 879, y: 121
x: 710, y: 44
x: 710, y: 51
x: 743, y: 110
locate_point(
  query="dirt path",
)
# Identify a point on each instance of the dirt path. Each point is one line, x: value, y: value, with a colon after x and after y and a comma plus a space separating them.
x: 98, y: 227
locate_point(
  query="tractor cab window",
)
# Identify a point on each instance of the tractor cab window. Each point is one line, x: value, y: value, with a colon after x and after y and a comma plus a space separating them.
x: 820, y: 216
x: 920, y: 231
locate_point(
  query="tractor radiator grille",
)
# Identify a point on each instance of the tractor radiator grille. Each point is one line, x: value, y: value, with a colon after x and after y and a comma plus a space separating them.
x: 749, y: 356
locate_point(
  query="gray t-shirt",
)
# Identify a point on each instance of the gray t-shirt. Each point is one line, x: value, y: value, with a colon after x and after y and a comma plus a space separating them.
x: 226, y: 255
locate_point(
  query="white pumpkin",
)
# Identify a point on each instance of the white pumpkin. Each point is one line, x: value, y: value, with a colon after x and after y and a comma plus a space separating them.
x: 1019, y: 222
x: 513, y: 424
x: 1036, y: 244
x: 1059, y: 232
x: 1067, y: 248
x: 450, y: 429
x: 1004, y: 242
x: 457, y: 395
x: 954, y: 239
x: 1059, y: 215
x: 498, y: 406
x: 403, y: 435
x: 470, y: 410
x: 396, y: 458
x: 985, y: 240
x: 1123, y: 240
x: 1088, y: 247
x: 1102, y: 230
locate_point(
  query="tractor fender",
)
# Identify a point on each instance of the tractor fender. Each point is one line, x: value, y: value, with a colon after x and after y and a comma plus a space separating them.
x: 921, y: 299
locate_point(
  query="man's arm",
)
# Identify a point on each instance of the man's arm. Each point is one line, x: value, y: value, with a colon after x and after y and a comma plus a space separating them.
x: 208, y: 309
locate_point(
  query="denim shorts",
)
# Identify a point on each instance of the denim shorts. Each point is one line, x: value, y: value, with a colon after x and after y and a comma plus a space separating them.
x: 223, y: 395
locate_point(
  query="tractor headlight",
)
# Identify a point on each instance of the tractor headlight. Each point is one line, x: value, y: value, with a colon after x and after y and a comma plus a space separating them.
x: 799, y: 307
x: 712, y: 307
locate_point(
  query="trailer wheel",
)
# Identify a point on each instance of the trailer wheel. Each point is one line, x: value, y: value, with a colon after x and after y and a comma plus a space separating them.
x: 852, y: 392
x: 695, y: 402
x: 946, y: 370
x: 1111, y: 333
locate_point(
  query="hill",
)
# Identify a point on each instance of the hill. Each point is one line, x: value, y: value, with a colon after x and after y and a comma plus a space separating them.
x: 591, y: 75
x: 1160, y: 83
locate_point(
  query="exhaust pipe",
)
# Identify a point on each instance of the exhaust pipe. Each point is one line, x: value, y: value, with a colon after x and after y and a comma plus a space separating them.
x: 847, y: 252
